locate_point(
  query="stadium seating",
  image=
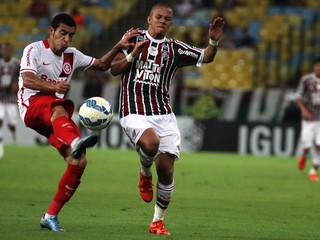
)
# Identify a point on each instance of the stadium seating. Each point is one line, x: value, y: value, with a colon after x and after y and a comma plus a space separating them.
x: 17, y: 27
x: 285, y: 44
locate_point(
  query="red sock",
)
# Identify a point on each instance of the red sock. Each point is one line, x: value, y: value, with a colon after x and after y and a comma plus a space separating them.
x: 67, y: 187
x: 65, y: 130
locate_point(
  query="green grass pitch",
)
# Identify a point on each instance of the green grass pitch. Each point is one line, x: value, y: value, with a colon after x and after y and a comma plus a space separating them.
x: 217, y: 196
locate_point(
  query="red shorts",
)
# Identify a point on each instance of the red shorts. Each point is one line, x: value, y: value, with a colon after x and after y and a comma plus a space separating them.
x: 38, y: 117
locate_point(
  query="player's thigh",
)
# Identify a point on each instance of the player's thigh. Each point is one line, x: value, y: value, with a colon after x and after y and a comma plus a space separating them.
x: 134, y: 126
x: 12, y: 113
x: 169, y: 134
x: 308, y: 134
x: 317, y: 134
x: 2, y: 111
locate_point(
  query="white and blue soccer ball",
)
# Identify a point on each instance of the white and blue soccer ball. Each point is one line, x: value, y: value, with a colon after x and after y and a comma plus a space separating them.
x: 95, y: 113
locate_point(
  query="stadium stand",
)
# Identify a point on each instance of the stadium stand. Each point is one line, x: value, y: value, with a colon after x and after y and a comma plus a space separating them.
x: 286, y: 38
x: 19, y: 28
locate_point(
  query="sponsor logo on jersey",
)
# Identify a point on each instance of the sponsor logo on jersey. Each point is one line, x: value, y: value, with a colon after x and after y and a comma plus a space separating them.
x: 188, y: 53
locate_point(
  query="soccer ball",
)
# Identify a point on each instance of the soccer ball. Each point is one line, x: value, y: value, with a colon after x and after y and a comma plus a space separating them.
x: 95, y: 113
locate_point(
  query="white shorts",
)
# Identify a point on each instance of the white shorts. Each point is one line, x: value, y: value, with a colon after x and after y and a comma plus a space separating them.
x: 310, y: 133
x: 10, y: 111
x: 164, y: 125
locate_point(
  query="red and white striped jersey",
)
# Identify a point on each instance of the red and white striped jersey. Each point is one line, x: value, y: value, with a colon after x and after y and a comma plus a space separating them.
x: 309, y: 90
x: 145, y: 85
x: 9, y: 73
x: 39, y: 59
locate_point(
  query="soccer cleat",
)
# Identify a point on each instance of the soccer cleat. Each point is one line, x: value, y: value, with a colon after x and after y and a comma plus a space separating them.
x: 158, y: 227
x: 51, y: 223
x: 302, y: 162
x: 313, y: 177
x: 82, y: 144
x: 145, y: 187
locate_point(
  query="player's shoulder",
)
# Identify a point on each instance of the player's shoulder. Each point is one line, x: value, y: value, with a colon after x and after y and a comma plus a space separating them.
x: 308, y: 77
x: 35, y: 45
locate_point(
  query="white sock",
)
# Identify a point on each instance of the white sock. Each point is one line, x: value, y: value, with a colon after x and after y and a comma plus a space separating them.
x: 146, y: 163
x: 46, y: 216
x: 146, y: 171
x: 158, y: 213
x: 74, y: 142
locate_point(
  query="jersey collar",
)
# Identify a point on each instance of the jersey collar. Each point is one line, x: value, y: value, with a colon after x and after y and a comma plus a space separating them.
x: 46, y: 43
x: 155, y: 40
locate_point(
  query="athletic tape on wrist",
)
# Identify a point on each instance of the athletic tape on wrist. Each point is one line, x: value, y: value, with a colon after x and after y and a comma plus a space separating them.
x: 213, y: 42
x: 129, y: 58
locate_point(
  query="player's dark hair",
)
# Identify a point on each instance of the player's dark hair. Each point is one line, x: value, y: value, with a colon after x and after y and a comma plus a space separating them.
x: 316, y: 60
x: 160, y: 4
x: 63, y: 18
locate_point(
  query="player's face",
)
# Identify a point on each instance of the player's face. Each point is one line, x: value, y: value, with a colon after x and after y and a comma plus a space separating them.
x: 7, y: 52
x: 160, y: 21
x: 61, y: 38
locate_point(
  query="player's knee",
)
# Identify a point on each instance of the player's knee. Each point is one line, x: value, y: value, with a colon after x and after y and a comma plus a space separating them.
x: 82, y: 162
x: 58, y: 111
x: 151, y: 148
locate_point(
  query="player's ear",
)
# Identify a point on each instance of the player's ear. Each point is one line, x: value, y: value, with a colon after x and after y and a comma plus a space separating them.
x: 149, y: 19
x: 51, y: 31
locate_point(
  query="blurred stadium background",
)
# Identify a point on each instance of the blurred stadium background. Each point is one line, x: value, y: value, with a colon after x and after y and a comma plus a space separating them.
x: 247, y: 93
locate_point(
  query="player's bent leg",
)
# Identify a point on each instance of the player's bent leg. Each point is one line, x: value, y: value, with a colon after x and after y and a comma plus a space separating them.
x: 147, y: 149
x: 302, y: 162
x: 145, y: 188
x: 145, y: 183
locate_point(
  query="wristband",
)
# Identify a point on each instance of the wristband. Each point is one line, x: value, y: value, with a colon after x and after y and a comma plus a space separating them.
x: 130, y: 58
x: 213, y: 43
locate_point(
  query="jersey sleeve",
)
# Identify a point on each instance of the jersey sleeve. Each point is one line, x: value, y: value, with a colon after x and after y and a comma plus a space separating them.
x: 301, y: 88
x: 29, y: 61
x: 187, y: 55
x: 82, y: 61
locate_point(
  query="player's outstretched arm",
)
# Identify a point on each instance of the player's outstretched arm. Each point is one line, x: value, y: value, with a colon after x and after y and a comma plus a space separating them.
x: 30, y: 80
x: 122, y: 62
x: 215, y: 32
x: 104, y: 63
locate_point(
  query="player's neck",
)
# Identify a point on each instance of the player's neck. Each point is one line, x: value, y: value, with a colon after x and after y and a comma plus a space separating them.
x: 155, y: 35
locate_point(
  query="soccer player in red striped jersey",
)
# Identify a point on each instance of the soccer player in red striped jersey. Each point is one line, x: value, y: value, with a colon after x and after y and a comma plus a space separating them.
x: 9, y: 73
x: 46, y: 70
x: 309, y: 103
x: 145, y: 111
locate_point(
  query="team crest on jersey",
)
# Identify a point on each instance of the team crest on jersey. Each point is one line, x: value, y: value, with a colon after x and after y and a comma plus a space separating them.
x: 153, y: 51
x: 66, y: 68
x: 140, y: 38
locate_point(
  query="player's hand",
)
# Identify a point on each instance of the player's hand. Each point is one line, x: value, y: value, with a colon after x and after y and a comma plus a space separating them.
x: 216, y: 28
x: 125, y: 42
x: 307, y: 115
x: 62, y: 87
x: 138, y: 47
